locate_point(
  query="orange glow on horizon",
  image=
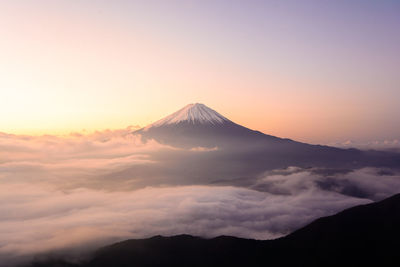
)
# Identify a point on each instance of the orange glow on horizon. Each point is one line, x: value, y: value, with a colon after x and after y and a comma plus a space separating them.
x: 66, y: 68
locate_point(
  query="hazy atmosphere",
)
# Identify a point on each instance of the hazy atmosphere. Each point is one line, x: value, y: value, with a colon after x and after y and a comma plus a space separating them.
x: 74, y: 193
x: 315, y: 71
x: 133, y: 119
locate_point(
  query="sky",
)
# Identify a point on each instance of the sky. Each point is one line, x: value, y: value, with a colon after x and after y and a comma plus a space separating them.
x: 314, y: 71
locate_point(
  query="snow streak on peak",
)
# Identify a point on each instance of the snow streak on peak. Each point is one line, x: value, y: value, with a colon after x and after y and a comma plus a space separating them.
x: 194, y: 113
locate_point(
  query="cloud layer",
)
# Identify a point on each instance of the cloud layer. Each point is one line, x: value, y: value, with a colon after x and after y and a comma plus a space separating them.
x: 79, y: 192
x: 36, y: 219
x: 391, y: 145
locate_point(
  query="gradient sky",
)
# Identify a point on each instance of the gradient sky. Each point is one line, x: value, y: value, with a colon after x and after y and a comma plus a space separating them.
x: 315, y: 71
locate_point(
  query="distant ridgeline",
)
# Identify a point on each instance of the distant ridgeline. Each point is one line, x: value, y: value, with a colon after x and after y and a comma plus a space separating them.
x: 197, y: 125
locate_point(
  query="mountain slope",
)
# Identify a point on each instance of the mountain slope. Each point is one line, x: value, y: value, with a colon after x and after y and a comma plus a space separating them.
x: 193, y: 113
x: 362, y: 235
x: 196, y: 125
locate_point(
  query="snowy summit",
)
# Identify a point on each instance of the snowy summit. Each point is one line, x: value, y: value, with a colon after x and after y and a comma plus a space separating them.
x: 193, y: 113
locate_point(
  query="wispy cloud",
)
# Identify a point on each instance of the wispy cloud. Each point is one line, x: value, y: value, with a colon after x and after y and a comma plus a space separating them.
x: 377, y: 144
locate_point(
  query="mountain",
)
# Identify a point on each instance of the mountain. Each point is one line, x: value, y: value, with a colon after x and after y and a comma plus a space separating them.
x: 192, y: 113
x: 366, y: 235
x: 197, y: 125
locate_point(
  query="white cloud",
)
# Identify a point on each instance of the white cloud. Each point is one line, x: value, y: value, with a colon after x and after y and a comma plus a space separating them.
x: 37, y: 219
x: 376, y: 145
x: 83, y: 191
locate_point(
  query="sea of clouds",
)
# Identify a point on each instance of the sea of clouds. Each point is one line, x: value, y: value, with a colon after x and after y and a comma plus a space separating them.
x: 75, y: 193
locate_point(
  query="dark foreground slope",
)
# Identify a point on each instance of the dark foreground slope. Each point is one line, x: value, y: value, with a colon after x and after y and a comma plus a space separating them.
x: 360, y: 236
x: 366, y: 235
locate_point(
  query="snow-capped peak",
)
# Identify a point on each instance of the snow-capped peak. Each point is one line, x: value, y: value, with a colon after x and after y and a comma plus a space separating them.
x: 194, y: 113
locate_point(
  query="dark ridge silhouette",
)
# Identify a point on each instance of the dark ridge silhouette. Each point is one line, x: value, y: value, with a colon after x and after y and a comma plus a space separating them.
x: 367, y: 235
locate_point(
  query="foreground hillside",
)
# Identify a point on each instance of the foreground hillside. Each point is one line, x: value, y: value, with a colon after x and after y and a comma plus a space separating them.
x: 366, y: 235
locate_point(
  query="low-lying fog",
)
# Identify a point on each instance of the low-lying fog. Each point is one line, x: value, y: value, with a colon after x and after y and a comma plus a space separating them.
x: 76, y: 193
